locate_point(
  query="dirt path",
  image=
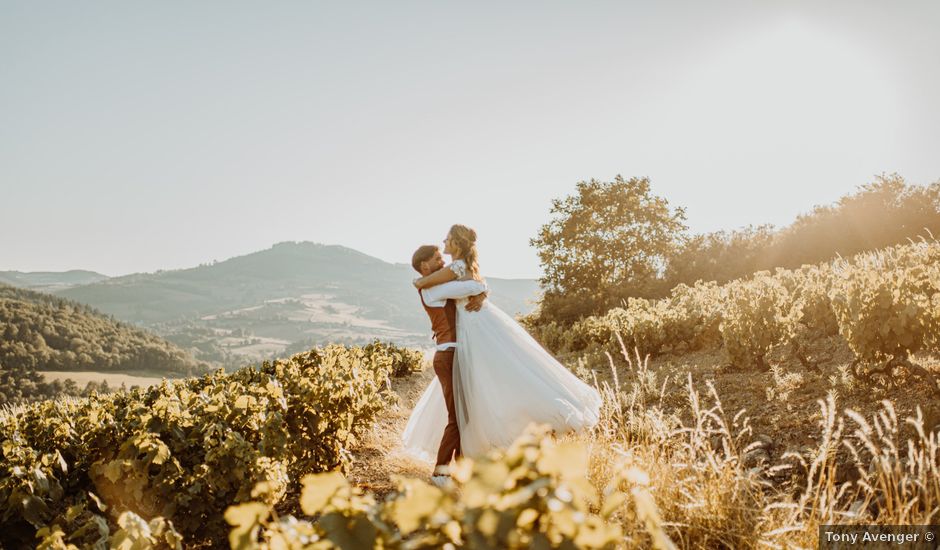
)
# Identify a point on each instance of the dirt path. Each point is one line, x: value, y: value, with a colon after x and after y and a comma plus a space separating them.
x: 379, y: 457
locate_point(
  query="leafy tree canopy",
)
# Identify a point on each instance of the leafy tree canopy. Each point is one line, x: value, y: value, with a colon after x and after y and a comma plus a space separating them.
x: 608, y: 241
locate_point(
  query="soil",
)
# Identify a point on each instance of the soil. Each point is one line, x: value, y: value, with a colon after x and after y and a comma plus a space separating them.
x: 792, y: 421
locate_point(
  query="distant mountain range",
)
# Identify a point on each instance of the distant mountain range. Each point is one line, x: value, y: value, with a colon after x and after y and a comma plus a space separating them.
x: 271, y: 302
x: 49, y: 281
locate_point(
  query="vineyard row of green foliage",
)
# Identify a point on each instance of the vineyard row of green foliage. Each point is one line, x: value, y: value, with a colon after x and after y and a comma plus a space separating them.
x: 83, y: 472
x: 535, y: 495
x: 886, y: 304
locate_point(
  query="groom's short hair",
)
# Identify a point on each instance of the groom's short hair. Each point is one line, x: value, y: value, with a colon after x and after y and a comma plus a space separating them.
x: 422, y: 254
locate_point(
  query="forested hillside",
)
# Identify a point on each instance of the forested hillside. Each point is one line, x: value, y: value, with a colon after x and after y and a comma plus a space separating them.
x: 44, y: 332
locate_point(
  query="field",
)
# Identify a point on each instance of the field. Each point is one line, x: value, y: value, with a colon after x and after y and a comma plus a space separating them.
x: 674, y: 463
x: 114, y: 379
x: 724, y: 460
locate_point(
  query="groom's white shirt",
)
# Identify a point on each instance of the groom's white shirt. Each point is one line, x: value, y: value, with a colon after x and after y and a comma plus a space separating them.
x: 437, y: 296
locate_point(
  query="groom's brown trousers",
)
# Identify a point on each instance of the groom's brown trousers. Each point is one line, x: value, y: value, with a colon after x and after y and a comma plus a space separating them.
x: 450, y: 443
x: 444, y: 325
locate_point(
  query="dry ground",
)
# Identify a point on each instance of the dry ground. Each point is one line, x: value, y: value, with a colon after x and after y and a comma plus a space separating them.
x: 379, y: 455
x: 782, y: 404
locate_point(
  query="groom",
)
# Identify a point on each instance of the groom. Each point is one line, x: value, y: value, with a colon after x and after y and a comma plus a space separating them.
x: 439, y: 303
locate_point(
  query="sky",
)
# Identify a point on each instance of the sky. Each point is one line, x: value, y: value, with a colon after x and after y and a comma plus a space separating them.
x: 144, y: 136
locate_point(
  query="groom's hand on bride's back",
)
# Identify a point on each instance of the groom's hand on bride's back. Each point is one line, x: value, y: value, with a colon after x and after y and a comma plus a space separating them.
x: 474, y: 303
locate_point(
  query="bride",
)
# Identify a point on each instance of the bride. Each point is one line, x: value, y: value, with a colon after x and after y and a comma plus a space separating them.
x: 503, y: 378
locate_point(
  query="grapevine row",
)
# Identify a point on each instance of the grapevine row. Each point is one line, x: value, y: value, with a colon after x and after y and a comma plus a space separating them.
x: 885, y: 304
x: 185, y: 450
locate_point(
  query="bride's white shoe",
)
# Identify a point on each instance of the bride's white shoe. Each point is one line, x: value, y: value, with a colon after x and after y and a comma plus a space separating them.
x: 442, y: 481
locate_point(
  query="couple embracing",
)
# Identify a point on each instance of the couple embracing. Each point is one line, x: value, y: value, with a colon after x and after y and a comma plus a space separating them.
x: 493, y: 378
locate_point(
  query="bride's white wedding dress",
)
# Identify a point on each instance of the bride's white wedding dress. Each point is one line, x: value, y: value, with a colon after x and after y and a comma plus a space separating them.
x: 503, y: 380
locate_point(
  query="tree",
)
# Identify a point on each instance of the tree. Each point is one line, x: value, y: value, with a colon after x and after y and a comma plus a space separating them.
x: 884, y: 212
x: 607, y: 242
x: 721, y: 256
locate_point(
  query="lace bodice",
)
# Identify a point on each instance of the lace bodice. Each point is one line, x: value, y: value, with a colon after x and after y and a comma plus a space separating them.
x: 459, y: 267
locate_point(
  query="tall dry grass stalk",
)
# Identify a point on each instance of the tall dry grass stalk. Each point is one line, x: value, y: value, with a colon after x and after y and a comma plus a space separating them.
x: 697, y: 479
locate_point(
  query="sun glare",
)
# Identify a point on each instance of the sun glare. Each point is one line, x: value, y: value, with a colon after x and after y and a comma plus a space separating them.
x: 792, y: 87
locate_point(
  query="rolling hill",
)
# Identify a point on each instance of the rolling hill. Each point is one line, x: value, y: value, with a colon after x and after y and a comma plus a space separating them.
x: 291, y: 295
x: 48, y: 281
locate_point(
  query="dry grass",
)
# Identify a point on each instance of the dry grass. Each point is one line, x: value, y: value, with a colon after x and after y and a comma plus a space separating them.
x: 693, y: 477
x: 697, y: 475
x: 379, y: 457
x: 714, y: 486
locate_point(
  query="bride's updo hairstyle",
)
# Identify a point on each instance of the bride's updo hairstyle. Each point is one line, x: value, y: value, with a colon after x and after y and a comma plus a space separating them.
x: 465, y: 240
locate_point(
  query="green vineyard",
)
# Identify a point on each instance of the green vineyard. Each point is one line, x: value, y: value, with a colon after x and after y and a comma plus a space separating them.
x: 885, y: 304
x: 533, y: 496
x: 186, y: 450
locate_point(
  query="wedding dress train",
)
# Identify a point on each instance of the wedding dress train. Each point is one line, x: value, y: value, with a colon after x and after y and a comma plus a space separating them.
x: 503, y: 380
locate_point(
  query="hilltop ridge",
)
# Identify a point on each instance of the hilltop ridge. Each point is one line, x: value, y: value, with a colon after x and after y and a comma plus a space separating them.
x: 289, y: 296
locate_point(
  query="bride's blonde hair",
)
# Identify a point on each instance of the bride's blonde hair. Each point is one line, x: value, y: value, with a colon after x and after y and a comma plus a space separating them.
x: 465, y: 240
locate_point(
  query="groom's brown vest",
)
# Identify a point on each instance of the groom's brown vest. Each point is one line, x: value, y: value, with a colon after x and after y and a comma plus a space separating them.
x: 444, y: 325
x: 443, y: 320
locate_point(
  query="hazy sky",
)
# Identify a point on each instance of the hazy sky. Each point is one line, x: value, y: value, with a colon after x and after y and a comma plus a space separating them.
x: 142, y: 136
